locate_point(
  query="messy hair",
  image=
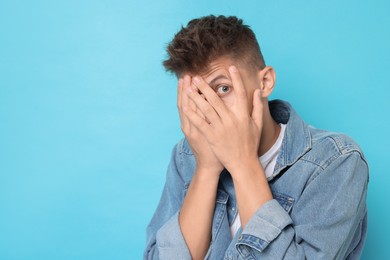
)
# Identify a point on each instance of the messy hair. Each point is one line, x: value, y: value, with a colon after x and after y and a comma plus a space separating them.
x: 208, y: 38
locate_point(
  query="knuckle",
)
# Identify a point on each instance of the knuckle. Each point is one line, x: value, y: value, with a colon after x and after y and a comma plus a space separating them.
x: 208, y: 110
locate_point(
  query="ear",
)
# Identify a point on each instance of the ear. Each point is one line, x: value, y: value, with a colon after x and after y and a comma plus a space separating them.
x: 267, y: 79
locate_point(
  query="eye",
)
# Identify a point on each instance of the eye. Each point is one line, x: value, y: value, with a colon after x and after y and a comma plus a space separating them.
x: 223, y: 90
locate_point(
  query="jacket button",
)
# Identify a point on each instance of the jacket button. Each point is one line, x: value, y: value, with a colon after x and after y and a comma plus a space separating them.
x: 239, y: 238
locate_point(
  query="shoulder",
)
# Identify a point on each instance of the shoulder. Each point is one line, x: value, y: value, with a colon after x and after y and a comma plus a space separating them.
x: 327, y: 146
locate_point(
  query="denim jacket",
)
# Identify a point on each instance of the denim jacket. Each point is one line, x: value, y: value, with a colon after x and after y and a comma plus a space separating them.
x: 318, y: 210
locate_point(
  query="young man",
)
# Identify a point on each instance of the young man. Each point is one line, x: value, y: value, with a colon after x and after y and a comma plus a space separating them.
x: 251, y: 180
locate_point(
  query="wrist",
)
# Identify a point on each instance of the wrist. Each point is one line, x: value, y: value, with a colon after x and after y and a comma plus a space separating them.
x: 211, y: 168
x: 252, y: 189
x: 207, y: 173
x: 205, y: 182
x: 242, y: 168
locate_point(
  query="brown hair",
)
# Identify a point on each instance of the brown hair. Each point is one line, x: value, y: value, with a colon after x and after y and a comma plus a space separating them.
x: 208, y: 38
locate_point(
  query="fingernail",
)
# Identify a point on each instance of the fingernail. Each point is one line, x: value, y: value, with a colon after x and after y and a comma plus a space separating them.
x: 186, y: 78
x: 196, y: 79
x: 233, y: 69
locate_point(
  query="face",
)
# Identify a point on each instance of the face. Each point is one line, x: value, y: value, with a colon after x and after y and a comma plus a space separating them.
x: 217, y: 76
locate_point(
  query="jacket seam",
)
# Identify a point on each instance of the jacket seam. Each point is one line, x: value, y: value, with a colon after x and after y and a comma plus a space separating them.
x: 179, y: 161
x: 330, y: 161
x: 341, y: 151
x: 309, y: 161
x: 348, y: 148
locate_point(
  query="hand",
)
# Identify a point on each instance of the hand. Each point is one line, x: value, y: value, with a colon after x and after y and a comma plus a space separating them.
x: 205, y: 158
x: 233, y: 134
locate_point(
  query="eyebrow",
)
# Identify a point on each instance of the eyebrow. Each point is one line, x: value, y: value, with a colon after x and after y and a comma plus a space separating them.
x: 217, y: 78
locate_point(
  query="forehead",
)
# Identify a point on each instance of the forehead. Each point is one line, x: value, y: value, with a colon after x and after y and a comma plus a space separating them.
x: 218, y: 68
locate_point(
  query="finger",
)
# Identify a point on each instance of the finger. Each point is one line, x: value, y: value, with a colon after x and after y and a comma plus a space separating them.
x: 199, y: 113
x: 179, y: 91
x: 184, y: 101
x: 198, y: 122
x: 198, y: 110
x: 239, y: 88
x: 212, y: 98
x: 194, y: 107
x: 204, y: 106
x: 257, y: 112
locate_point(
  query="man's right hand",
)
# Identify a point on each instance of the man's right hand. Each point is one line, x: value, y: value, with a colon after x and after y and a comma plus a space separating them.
x: 205, y: 157
x: 196, y: 214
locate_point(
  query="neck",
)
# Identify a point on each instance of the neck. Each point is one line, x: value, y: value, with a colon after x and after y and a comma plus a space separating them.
x: 270, y: 132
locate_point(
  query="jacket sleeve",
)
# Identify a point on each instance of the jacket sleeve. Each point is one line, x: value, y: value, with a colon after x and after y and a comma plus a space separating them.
x: 330, y: 210
x: 164, y: 239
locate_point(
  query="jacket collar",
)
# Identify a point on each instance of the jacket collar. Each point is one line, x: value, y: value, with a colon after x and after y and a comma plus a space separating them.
x: 297, y: 138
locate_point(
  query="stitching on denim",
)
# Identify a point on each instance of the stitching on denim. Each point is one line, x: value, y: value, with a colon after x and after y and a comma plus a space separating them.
x: 179, y: 161
x: 220, y: 219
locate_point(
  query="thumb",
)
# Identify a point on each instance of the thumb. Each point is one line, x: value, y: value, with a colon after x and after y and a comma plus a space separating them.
x: 257, y: 112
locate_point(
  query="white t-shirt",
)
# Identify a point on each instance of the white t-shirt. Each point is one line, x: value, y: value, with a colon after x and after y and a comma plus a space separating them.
x: 268, y: 161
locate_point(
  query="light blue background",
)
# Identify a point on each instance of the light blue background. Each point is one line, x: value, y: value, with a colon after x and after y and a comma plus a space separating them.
x: 88, y: 115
